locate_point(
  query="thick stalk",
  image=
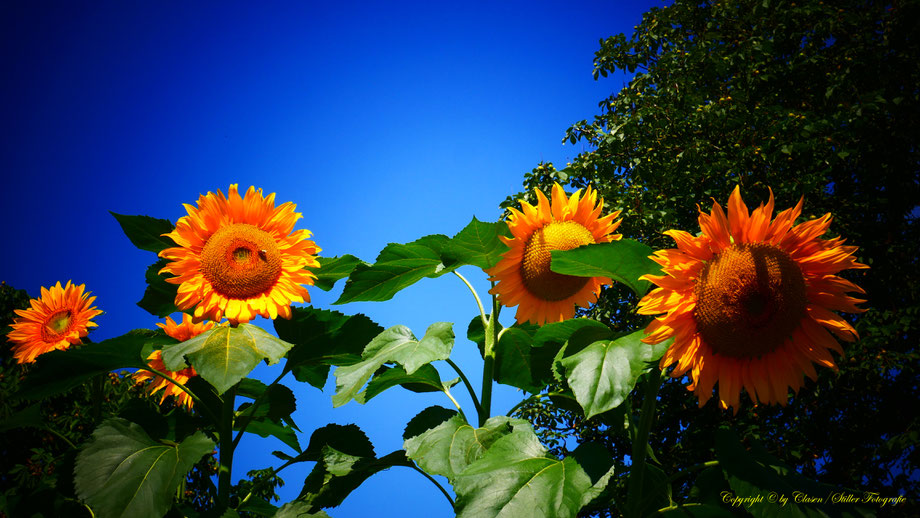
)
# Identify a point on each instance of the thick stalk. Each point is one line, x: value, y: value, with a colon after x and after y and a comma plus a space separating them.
x: 226, y: 450
x: 488, y: 364
x: 640, y: 443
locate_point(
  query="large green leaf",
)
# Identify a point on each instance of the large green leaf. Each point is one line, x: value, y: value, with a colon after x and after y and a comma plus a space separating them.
x: 517, y: 478
x: 146, y: 232
x: 160, y: 296
x: 298, y: 509
x: 450, y: 447
x: 427, y: 419
x: 322, y: 338
x: 333, y: 269
x: 768, y: 489
x: 396, y: 344
x: 397, y: 266
x: 266, y: 427
x: 425, y: 379
x: 276, y: 402
x: 624, y: 261
x: 603, y: 374
x: 58, y: 371
x: 478, y: 244
x: 122, y: 472
x: 225, y: 355
x: 344, y: 459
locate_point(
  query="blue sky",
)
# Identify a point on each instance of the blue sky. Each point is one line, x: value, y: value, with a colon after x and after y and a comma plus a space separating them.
x: 383, y: 122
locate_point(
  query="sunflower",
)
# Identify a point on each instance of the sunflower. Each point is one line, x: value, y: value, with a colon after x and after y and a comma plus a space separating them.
x: 523, y: 274
x: 239, y: 257
x: 56, y: 320
x: 181, y: 332
x: 750, y: 302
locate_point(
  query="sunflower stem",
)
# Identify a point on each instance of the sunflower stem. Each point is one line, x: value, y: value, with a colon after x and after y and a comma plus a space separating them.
x: 469, y: 386
x: 482, y: 311
x: 488, y: 364
x: 640, y: 443
x: 226, y: 449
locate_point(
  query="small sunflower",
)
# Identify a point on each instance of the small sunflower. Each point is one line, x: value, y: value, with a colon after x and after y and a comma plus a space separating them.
x: 750, y: 301
x: 239, y: 257
x: 56, y: 320
x: 523, y: 274
x: 186, y: 330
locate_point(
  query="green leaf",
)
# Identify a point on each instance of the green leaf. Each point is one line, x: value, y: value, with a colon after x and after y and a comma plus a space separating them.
x: 624, y: 261
x: 479, y: 244
x: 516, y: 477
x: 160, y: 296
x: 774, y: 489
x: 344, y: 459
x: 58, y: 371
x: 425, y: 379
x: 145, y: 232
x: 122, y: 472
x: 426, y: 420
x: 266, y: 427
x: 296, y: 509
x: 225, y: 355
x: 450, y: 447
x: 333, y: 269
x: 29, y: 417
x: 397, y: 266
x: 277, y: 403
x: 513, y: 361
x: 322, y: 338
x: 396, y: 344
x: 603, y: 374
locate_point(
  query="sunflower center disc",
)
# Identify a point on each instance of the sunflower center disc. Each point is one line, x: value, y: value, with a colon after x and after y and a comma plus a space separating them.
x: 241, y: 261
x: 749, y: 300
x: 57, y: 325
x: 538, y: 278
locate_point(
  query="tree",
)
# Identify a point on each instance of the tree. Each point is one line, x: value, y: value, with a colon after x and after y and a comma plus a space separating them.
x: 810, y: 99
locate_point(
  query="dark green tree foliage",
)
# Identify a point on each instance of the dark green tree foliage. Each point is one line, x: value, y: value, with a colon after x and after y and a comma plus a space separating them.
x: 808, y: 98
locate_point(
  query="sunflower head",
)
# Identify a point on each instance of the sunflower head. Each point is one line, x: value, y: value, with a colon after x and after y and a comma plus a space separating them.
x: 188, y: 329
x: 56, y: 320
x: 239, y: 257
x: 750, y: 301
x: 523, y: 274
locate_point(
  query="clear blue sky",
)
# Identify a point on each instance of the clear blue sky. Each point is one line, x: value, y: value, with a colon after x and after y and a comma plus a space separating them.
x: 382, y: 121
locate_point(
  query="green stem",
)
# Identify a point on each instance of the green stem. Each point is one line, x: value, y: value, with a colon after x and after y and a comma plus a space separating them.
x: 244, y: 422
x: 482, y: 311
x: 59, y: 434
x: 435, y: 482
x: 469, y: 386
x: 454, y: 401
x: 640, y: 443
x: 488, y: 364
x: 226, y: 450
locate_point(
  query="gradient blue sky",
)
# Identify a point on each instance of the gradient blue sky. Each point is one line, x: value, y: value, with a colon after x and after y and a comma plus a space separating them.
x: 383, y: 122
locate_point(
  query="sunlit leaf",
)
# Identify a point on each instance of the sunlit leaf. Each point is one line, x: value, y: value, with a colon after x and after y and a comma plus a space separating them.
x: 624, y: 261
x: 225, y: 355
x: 478, y: 244
x: 450, y: 447
x: 396, y: 344
x: 603, y: 374
x: 146, y: 232
x: 58, y: 371
x: 397, y: 266
x: 298, y: 509
x: 322, y: 338
x: 122, y: 472
x: 333, y: 269
x: 516, y: 477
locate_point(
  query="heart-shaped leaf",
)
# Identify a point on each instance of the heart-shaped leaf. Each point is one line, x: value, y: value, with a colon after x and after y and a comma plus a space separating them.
x: 146, y: 232
x: 478, y: 244
x: 122, y: 472
x: 333, y: 269
x: 624, y: 261
x: 225, y: 355
x: 603, y: 374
